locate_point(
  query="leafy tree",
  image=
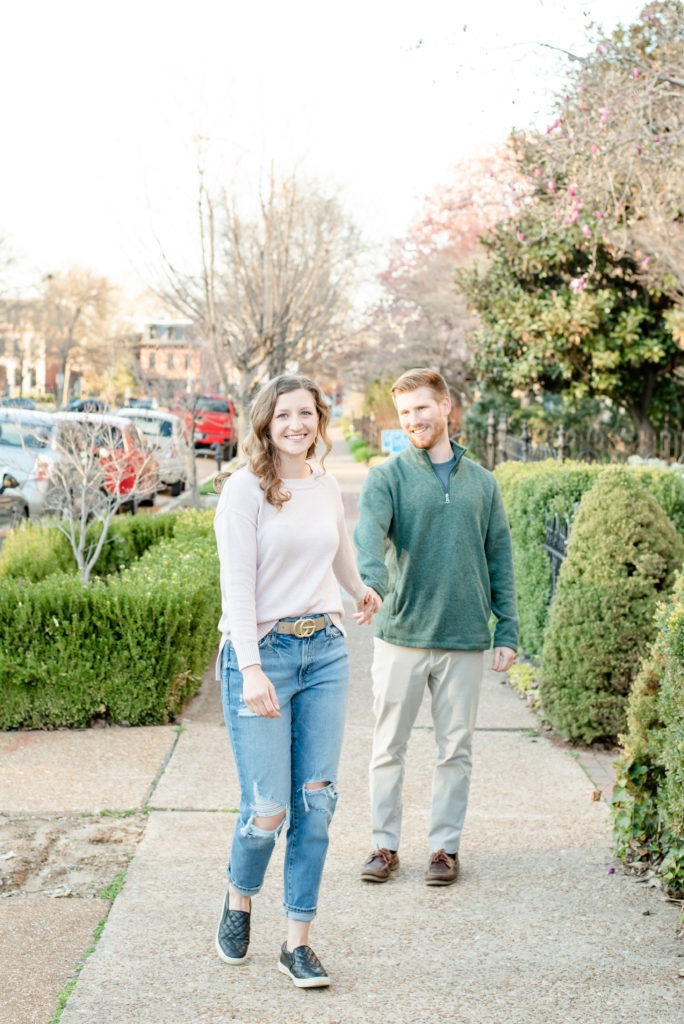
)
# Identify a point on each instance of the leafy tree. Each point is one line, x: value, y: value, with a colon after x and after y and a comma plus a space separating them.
x: 561, y: 315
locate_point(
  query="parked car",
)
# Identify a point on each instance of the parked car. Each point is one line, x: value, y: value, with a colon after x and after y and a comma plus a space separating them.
x: 27, y: 452
x: 18, y: 403
x: 32, y: 447
x: 86, y: 405
x: 130, y: 467
x: 212, y: 420
x: 170, y: 440
x: 13, y: 507
x: 140, y: 403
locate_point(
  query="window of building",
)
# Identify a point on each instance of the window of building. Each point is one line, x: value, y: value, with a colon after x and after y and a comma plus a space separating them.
x: 169, y: 360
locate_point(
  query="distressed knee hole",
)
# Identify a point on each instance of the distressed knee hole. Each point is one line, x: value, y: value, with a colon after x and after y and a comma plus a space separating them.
x: 320, y: 796
x: 269, y: 823
x: 261, y: 830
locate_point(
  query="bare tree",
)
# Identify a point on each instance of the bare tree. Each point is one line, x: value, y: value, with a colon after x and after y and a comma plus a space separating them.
x: 77, y: 311
x: 274, y: 288
x: 91, y: 480
x: 8, y: 259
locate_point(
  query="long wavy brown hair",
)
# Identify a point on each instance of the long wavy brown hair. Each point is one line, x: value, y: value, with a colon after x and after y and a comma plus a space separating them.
x: 262, y: 457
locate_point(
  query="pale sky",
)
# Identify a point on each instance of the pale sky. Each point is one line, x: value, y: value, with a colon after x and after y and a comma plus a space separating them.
x: 104, y: 102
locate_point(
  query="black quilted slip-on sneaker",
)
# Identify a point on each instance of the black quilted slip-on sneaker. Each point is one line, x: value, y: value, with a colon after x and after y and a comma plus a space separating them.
x: 232, y: 935
x: 303, y: 967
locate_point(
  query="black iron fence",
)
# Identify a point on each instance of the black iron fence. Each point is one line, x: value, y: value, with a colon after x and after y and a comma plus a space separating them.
x: 556, y: 545
x: 593, y: 445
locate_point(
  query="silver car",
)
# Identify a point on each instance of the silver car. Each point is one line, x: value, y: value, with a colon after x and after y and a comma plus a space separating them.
x: 168, y: 437
x: 27, y: 453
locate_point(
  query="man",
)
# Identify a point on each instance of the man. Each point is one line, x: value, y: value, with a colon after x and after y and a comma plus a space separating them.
x: 433, y: 541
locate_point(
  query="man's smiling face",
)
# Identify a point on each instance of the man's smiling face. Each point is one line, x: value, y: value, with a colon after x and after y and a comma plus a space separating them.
x: 423, y: 418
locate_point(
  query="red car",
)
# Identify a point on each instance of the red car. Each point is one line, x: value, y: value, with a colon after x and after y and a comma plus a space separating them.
x: 128, y: 466
x: 212, y: 419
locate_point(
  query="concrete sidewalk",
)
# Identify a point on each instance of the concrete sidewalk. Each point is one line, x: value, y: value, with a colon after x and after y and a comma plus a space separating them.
x: 538, y: 929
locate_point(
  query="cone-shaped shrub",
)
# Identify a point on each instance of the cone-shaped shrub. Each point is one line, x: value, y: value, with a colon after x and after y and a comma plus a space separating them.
x: 622, y: 559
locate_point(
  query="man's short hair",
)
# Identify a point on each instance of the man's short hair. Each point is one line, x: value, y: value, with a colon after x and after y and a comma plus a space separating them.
x: 421, y: 377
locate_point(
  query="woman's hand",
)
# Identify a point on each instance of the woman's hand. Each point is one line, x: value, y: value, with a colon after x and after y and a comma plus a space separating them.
x: 370, y: 603
x: 259, y: 692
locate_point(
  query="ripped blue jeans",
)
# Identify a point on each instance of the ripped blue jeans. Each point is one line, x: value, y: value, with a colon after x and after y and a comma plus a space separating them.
x: 277, y: 757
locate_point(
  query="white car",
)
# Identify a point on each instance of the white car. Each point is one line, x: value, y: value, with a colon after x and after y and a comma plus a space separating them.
x: 168, y: 437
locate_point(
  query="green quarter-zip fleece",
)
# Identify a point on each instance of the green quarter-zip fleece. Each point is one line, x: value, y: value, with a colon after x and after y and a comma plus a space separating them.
x: 440, y: 559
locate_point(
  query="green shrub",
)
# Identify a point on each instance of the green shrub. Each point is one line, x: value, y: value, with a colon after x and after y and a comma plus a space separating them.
x: 532, y: 494
x: 34, y: 551
x: 622, y: 559
x: 524, y: 677
x: 667, y: 487
x: 128, y: 648
x: 355, y: 442
x: 648, y: 800
x: 130, y: 537
x: 39, y: 549
x: 364, y: 453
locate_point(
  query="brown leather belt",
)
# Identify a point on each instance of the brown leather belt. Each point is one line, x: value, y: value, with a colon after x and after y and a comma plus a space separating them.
x: 303, y: 627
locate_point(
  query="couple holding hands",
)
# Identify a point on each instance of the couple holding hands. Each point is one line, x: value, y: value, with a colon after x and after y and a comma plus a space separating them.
x: 434, y: 562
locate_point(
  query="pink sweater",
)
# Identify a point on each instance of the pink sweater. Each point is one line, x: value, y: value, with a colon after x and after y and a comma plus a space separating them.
x: 276, y: 564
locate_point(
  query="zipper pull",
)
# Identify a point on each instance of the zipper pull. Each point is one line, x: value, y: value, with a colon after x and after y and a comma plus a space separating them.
x: 446, y: 497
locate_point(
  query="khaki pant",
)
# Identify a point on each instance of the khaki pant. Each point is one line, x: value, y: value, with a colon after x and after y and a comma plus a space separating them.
x: 454, y: 679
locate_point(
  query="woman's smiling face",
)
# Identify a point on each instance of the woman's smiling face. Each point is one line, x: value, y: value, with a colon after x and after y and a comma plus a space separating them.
x: 294, y: 425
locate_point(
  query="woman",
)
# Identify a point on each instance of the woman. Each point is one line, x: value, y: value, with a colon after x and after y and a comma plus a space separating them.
x: 283, y: 549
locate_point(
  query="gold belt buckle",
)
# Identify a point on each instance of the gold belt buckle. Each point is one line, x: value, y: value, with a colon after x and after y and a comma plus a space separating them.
x: 303, y: 628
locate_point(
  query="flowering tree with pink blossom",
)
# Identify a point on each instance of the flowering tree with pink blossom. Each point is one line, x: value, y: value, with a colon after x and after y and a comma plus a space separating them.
x: 582, y: 292
x: 612, y: 160
x: 422, y: 317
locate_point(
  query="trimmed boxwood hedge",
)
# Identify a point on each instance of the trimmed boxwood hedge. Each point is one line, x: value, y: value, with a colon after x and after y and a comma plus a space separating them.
x: 648, y: 800
x: 532, y: 494
x: 130, y: 647
x: 623, y: 558
x: 39, y: 549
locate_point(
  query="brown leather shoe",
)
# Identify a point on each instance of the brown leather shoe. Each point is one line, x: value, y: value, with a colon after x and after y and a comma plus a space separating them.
x: 442, y: 869
x: 379, y: 865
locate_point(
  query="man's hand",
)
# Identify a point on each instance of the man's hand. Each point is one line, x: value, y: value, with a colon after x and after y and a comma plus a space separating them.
x: 259, y: 692
x: 502, y: 659
x: 367, y: 607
